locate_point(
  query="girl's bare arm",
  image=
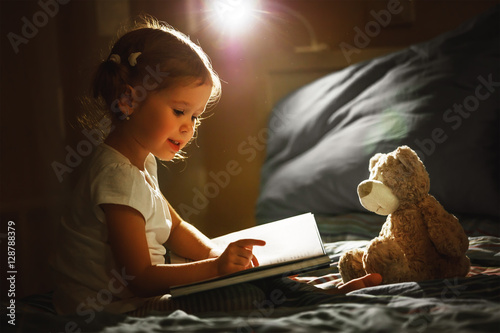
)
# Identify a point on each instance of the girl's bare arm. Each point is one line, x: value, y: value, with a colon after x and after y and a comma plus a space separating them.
x: 127, y: 239
x: 187, y: 241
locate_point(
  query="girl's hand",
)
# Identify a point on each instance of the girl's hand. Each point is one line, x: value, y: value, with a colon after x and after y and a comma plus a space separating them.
x: 369, y: 280
x: 238, y: 256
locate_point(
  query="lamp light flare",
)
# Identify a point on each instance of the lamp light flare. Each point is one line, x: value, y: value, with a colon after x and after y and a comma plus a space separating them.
x: 233, y: 15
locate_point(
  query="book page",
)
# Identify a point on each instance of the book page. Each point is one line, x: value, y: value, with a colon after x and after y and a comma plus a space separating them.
x: 289, y: 239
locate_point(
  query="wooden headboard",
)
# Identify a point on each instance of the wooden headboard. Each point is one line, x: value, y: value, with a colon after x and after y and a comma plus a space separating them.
x: 295, y: 70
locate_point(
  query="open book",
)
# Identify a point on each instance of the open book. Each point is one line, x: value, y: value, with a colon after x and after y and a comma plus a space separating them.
x: 293, y: 245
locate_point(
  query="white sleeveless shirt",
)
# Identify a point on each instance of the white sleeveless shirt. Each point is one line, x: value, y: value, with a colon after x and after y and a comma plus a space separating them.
x: 87, y: 276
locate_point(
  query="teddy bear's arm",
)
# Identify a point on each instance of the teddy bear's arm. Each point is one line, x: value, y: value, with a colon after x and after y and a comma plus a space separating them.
x: 445, y: 231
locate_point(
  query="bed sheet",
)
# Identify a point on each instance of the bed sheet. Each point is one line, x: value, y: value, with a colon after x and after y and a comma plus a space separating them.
x: 470, y: 304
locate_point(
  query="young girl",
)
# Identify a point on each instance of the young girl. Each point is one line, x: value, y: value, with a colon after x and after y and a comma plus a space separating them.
x: 155, y: 86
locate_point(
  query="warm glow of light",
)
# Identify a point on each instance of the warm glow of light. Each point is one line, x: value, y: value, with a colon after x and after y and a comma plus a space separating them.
x: 233, y: 16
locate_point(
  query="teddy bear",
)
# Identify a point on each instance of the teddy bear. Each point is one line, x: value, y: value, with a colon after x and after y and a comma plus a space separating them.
x: 419, y: 240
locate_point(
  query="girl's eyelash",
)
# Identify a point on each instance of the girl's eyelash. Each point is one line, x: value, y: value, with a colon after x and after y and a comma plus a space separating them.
x: 180, y: 113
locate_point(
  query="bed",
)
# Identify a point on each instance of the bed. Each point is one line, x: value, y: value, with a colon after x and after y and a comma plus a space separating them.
x: 441, y: 98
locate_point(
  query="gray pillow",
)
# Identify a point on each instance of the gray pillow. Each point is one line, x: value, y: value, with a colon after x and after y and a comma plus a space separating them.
x: 442, y: 98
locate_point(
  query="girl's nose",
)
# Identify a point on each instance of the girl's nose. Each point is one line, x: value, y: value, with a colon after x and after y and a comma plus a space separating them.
x: 187, y: 127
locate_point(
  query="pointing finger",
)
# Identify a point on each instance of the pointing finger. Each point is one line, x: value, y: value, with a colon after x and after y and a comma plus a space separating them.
x: 249, y: 242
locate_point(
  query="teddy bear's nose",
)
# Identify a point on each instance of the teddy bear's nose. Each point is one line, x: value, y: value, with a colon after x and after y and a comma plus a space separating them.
x: 365, y: 188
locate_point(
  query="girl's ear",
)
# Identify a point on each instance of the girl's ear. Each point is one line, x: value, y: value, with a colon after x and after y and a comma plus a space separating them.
x: 127, y: 103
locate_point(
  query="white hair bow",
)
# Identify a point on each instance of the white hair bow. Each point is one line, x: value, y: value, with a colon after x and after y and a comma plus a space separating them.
x: 132, y: 58
x: 115, y: 58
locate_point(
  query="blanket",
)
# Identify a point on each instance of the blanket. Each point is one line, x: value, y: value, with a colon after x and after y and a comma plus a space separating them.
x: 469, y: 304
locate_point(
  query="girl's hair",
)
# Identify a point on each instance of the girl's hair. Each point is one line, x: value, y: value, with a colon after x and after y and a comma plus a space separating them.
x: 168, y: 58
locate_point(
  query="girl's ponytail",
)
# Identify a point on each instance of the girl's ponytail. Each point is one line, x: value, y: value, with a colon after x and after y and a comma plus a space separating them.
x: 110, y: 82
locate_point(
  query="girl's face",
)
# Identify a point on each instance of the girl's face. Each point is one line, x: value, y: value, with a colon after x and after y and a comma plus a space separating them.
x: 165, y: 122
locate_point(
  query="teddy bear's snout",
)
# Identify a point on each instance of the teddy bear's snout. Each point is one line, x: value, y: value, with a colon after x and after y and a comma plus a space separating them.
x: 364, y: 189
x: 377, y: 197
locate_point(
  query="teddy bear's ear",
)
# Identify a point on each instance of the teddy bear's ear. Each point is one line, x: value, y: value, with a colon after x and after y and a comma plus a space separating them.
x: 408, y: 157
x: 374, y: 160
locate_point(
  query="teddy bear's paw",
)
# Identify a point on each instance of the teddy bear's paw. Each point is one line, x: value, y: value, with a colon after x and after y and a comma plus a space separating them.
x: 384, y: 256
x: 351, y: 265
